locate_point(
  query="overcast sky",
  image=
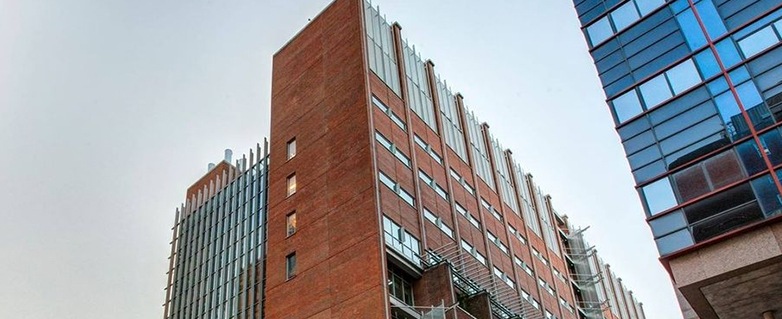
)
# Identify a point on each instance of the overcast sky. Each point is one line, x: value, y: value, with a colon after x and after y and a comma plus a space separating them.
x: 110, y: 109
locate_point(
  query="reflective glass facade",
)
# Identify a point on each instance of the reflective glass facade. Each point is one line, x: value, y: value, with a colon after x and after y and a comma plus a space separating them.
x: 695, y: 89
x: 217, y: 257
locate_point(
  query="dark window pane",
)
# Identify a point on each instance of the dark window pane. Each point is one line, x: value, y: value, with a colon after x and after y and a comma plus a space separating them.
x: 668, y: 223
x: 691, y: 183
x: 696, y: 150
x: 727, y: 221
x: 768, y: 195
x: 772, y: 144
x: 750, y: 157
x: 719, y: 202
x: 723, y: 169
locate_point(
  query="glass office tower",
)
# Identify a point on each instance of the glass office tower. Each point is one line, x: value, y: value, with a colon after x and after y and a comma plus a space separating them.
x: 217, y: 261
x: 695, y: 90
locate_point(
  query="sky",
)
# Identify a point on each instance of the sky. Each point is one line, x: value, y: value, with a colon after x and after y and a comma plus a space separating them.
x: 110, y: 109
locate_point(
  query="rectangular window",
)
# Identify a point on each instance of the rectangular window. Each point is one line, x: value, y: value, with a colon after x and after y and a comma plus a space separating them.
x: 291, y: 184
x: 402, y: 241
x: 290, y: 266
x: 290, y: 222
x: 390, y: 113
x: 390, y: 183
x: 428, y: 148
x: 291, y: 147
x: 382, y: 140
x: 399, y: 286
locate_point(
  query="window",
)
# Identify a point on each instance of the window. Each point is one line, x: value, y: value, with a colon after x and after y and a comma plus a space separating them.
x: 290, y: 222
x: 438, y: 221
x: 399, y: 286
x: 463, y: 211
x: 600, y: 31
x: 625, y: 15
x: 395, y: 118
x: 659, y: 196
x: 291, y: 184
x: 626, y: 106
x: 758, y: 41
x: 428, y: 148
x: 402, y: 241
x: 683, y: 76
x: 711, y: 19
x: 291, y: 147
x: 656, y: 91
x: 390, y: 183
x: 382, y: 140
x: 474, y: 252
x: 433, y: 184
x: 497, y: 242
x: 290, y: 266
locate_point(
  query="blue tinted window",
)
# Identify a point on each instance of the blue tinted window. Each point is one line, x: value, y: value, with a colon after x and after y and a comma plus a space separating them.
x: 683, y: 76
x: 758, y: 41
x: 655, y: 91
x: 685, y: 119
x: 649, y: 171
x: 674, y: 242
x: 711, y: 19
x: 691, y: 29
x: 646, y: 156
x: 659, y: 196
x: 690, y: 135
x: 728, y: 53
x: 750, y: 157
x: 600, y: 31
x: 626, y: 106
x: 679, y: 5
x: 625, y: 15
x: 639, y: 142
x: 749, y: 95
x: 633, y: 128
x: 668, y: 223
x: 707, y: 64
x: 768, y: 195
x: 718, y: 86
x: 647, y: 6
x: 731, y: 115
x: 739, y: 75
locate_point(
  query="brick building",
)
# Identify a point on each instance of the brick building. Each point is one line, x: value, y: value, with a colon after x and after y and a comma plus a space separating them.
x: 378, y: 195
